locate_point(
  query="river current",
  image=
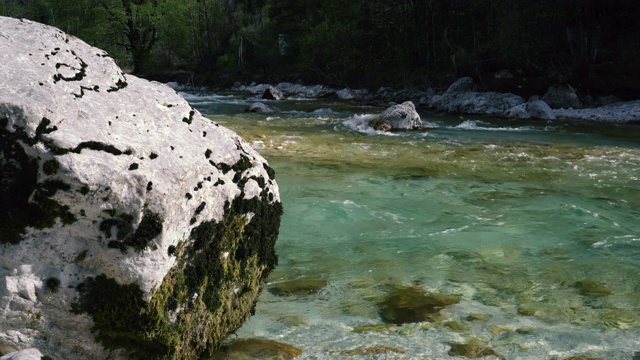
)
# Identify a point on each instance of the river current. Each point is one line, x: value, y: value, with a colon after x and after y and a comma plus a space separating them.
x: 533, y: 226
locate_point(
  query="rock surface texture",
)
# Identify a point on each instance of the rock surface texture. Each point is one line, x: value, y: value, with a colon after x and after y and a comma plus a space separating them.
x: 130, y: 225
x: 398, y: 117
x: 461, y: 98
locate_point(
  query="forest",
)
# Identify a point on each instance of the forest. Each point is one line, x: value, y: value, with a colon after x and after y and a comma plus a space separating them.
x: 593, y: 45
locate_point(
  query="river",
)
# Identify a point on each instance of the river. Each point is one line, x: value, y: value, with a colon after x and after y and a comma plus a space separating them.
x: 533, y: 226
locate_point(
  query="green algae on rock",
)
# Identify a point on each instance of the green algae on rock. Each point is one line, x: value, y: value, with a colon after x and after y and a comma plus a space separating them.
x: 473, y: 348
x: 372, y: 350
x: 200, y: 300
x: 245, y: 349
x: 593, y: 288
x: 407, y: 304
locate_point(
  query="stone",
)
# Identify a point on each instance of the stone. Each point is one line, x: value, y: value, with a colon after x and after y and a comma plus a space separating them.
x: 398, y: 117
x: 473, y: 348
x: 273, y: 93
x: 624, y: 112
x: 593, y: 288
x: 410, y: 304
x: 538, y: 109
x: 461, y: 97
x: 302, y: 286
x: 372, y: 350
x: 562, y: 97
x: 462, y: 85
x: 132, y: 226
x: 248, y: 349
x: 373, y: 328
x: 26, y: 354
x: 260, y: 108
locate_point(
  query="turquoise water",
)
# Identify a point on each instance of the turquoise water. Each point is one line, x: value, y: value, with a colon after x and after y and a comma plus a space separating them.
x: 532, y: 225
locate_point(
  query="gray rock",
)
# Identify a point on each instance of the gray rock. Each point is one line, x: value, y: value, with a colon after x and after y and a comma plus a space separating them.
x: 461, y: 98
x: 539, y: 109
x: 120, y: 197
x: 536, y: 109
x: 518, y: 112
x: 272, y: 93
x: 562, y: 97
x: 398, y: 117
x: 26, y: 354
x: 462, y: 85
x: 482, y: 103
x: 618, y: 112
x: 260, y: 108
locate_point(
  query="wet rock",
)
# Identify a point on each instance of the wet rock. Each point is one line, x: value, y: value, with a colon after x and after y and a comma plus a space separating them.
x: 477, y: 317
x: 473, y: 348
x: 248, y: 349
x: 260, y: 108
x: 526, y: 330
x: 397, y: 117
x: 302, y: 286
x: 410, y: 304
x: 272, y: 93
x: 372, y: 328
x: 456, y: 326
x: 562, y: 97
x: 593, y: 288
x: 370, y: 351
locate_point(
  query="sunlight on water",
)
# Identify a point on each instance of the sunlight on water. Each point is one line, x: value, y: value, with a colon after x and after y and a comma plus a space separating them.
x: 532, y: 226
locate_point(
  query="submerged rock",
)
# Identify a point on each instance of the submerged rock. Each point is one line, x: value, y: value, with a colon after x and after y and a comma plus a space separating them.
x: 397, y: 117
x: 260, y: 108
x: 372, y: 350
x: 246, y: 349
x: 409, y: 304
x: 131, y: 225
x: 297, y: 287
x: 593, y: 288
x: 473, y: 348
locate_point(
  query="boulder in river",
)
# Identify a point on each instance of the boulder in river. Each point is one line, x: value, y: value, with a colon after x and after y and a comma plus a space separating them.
x: 260, y: 108
x: 273, y: 93
x: 130, y: 225
x: 397, y: 117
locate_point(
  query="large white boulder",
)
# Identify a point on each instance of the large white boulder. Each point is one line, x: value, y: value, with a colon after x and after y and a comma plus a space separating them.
x: 130, y: 225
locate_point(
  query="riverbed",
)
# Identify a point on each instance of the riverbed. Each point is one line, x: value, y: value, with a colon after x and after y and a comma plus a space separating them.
x: 531, y: 226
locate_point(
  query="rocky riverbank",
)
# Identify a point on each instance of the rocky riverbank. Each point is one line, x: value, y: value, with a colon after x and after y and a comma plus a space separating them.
x: 464, y: 97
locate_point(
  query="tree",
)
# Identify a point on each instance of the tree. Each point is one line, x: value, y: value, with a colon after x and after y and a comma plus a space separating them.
x: 136, y: 22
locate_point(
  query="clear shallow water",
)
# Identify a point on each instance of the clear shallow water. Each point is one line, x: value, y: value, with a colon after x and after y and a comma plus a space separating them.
x: 510, y: 217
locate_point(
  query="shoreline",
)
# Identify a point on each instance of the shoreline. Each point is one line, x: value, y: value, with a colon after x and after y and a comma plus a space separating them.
x: 462, y: 98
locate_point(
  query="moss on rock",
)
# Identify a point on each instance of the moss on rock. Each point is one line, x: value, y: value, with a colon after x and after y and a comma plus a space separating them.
x: 207, y: 295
